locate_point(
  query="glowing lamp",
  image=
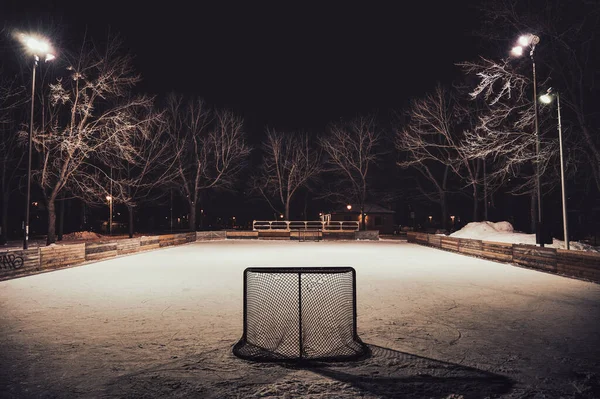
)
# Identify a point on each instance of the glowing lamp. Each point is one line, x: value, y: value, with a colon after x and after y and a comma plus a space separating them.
x: 517, y: 51
x: 37, y: 46
x: 524, y: 40
x: 349, y: 206
x: 546, y: 98
x: 108, y: 198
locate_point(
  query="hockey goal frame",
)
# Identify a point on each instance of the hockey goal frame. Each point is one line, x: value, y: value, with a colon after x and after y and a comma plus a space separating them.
x: 246, y: 349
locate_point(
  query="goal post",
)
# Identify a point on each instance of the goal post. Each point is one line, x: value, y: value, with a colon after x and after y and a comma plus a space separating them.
x: 300, y: 314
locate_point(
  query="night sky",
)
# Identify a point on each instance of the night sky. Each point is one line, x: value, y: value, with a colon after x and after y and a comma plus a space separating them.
x: 290, y: 66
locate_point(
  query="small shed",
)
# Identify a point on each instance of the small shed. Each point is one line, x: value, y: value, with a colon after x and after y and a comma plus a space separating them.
x: 376, y: 217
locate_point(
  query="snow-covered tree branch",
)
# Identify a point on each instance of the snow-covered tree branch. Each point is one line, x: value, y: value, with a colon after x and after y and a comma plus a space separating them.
x: 92, y: 120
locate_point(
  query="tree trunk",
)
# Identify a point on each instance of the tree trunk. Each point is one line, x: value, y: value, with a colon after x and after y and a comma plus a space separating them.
x: 485, y: 194
x: 287, y: 209
x: 130, y: 210
x: 192, y: 219
x: 4, y: 226
x: 61, y: 219
x: 532, y: 211
x: 443, y: 200
x: 51, y: 238
x: 475, y: 203
x: 444, y: 206
x: 361, y: 218
x: 306, y: 206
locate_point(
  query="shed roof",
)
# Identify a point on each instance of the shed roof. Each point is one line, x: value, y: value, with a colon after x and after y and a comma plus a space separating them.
x: 369, y: 208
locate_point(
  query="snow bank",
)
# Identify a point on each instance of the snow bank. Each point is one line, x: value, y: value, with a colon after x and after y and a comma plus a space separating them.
x: 82, y: 235
x: 504, y: 232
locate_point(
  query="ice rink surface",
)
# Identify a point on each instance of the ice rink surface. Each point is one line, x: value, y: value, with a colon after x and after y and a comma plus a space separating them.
x: 162, y: 324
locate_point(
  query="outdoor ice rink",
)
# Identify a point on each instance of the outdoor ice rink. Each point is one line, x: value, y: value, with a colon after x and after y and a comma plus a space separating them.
x: 162, y: 323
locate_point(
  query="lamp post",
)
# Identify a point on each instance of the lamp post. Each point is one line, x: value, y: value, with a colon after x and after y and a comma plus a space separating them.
x: 530, y: 41
x: 110, y: 210
x: 547, y: 99
x: 37, y: 47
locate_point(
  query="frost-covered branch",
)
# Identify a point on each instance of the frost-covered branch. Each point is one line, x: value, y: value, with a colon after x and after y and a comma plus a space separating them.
x: 92, y: 122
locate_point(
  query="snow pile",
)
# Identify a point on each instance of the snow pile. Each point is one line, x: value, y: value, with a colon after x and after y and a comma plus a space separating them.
x: 82, y: 235
x: 487, y: 231
x: 504, y: 232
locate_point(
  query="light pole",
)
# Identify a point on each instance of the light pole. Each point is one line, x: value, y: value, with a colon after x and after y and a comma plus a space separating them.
x: 547, y: 99
x: 110, y: 210
x: 523, y: 42
x: 37, y: 47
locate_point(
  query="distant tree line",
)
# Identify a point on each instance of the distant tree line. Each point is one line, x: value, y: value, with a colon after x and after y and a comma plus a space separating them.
x: 93, y: 138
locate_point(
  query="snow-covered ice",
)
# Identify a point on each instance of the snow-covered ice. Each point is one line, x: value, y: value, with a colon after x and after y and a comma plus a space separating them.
x: 162, y: 324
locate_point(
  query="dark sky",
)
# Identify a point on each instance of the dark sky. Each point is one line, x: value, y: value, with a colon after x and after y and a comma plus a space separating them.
x: 287, y: 65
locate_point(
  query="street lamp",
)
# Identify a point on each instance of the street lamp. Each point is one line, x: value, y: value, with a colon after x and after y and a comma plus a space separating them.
x: 547, y: 99
x: 349, y: 206
x: 523, y: 42
x: 37, y: 46
x: 110, y: 211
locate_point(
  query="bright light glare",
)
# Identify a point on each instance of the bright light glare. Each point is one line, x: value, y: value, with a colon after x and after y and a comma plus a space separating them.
x: 36, y: 45
x: 517, y: 51
x: 524, y: 40
x: 546, y: 98
x: 50, y: 57
x: 108, y: 198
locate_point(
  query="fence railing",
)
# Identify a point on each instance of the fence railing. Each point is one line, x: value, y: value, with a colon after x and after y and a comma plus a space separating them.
x: 284, y: 225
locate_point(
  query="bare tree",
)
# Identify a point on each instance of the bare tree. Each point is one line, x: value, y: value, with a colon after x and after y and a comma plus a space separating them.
x: 290, y: 163
x: 11, y: 150
x: 209, y: 149
x: 567, y: 48
x: 431, y: 145
x: 352, y: 149
x: 153, y: 165
x: 505, y: 131
x: 91, y: 122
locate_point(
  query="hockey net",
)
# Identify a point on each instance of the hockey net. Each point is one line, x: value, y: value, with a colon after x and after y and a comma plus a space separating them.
x: 300, y: 314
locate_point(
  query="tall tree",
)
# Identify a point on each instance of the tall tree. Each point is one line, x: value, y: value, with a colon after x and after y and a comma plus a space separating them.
x: 91, y: 121
x: 152, y: 169
x: 430, y: 143
x: 352, y: 149
x: 209, y: 149
x: 568, y: 32
x: 12, y: 152
x: 290, y: 162
x: 505, y: 131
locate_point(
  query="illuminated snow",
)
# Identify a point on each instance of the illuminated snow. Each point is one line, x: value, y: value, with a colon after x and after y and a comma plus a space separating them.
x: 162, y: 323
x: 504, y: 232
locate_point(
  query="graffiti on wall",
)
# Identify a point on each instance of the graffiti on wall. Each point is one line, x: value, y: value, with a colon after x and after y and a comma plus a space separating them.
x: 10, y: 261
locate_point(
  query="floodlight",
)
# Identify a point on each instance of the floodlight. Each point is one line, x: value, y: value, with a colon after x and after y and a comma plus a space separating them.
x: 546, y: 98
x: 517, y: 51
x: 524, y: 40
